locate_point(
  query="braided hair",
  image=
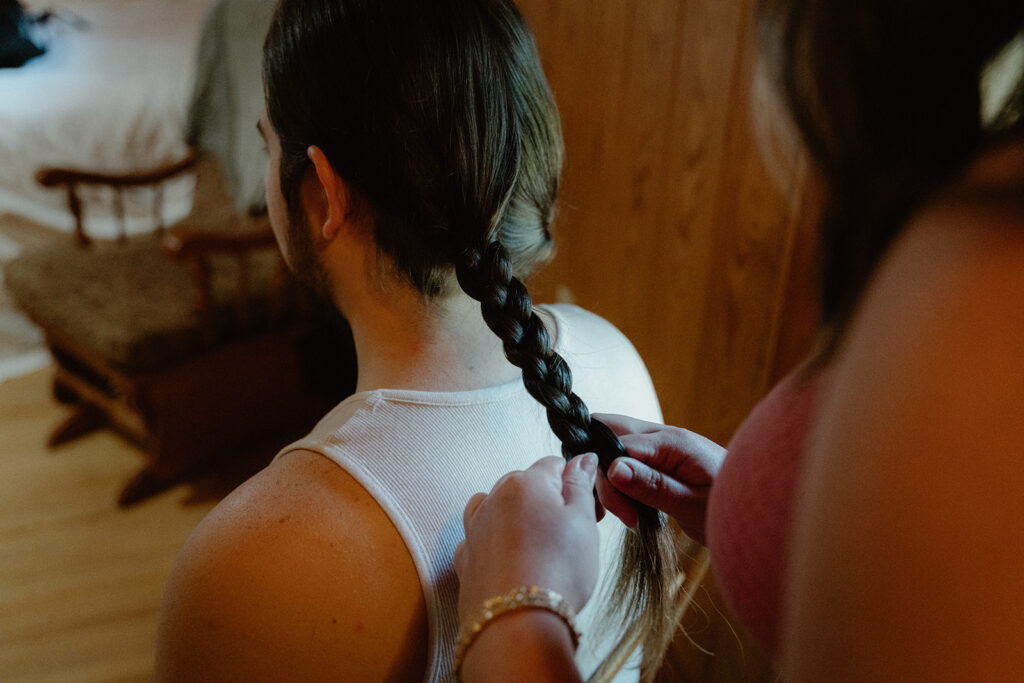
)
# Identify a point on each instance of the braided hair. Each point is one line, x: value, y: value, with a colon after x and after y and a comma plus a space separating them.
x: 440, y: 120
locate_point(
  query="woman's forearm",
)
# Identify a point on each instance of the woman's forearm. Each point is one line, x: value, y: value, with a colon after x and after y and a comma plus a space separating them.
x: 526, y: 645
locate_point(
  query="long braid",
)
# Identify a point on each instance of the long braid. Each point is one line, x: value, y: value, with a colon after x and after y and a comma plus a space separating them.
x: 485, y: 273
x: 642, y: 594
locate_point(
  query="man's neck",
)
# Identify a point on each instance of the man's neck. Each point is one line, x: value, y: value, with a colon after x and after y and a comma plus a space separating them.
x: 404, y: 341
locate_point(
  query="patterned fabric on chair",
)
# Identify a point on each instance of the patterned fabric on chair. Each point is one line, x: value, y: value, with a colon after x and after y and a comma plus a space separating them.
x: 133, y: 304
x: 191, y: 341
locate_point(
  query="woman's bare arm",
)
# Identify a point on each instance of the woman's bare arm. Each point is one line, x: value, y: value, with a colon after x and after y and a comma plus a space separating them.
x: 909, y: 548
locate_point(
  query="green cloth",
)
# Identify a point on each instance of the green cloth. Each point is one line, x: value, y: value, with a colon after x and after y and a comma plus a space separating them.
x: 227, y: 99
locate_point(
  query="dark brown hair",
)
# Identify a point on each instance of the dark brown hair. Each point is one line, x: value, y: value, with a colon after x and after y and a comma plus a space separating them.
x: 885, y: 95
x: 439, y: 119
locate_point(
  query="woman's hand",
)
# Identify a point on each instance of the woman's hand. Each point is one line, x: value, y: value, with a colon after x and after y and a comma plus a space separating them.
x: 668, y: 468
x: 536, y: 527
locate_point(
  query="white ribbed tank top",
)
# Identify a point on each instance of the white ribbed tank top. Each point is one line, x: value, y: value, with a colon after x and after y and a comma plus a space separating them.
x: 422, y: 455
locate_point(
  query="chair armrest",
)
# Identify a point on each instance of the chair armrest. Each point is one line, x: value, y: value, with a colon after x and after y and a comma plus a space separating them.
x: 52, y: 177
x: 71, y: 178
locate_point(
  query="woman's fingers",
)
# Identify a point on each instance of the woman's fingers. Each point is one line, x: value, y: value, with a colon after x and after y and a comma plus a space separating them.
x: 623, y: 424
x: 578, y: 479
x: 646, y: 485
x: 686, y: 455
x: 505, y: 477
x: 616, y: 503
x: 470, y: 509
x: 459, y: 560
x: 667, y: 468
x: 551, y: 466
x: 546, y: 513
x: 680, y: 453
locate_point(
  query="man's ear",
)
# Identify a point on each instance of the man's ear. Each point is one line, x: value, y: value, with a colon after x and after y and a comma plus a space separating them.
x: 334, y: 196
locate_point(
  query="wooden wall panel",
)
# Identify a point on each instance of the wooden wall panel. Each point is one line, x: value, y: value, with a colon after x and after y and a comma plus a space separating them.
x: 668, y: 225
x: 757, y: 216
x: 671, y: 227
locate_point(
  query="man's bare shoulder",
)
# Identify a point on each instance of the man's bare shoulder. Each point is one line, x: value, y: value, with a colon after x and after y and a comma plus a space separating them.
x: 298, y: 574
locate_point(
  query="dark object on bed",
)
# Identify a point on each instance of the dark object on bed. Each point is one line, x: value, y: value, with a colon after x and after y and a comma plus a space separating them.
x: 16, y: 47
x: 192, y: 341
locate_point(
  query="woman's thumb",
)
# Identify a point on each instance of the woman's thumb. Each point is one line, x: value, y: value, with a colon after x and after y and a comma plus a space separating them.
x: 578, y: 480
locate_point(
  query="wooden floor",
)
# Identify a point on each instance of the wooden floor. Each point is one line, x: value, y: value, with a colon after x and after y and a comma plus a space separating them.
x: 80, y: 580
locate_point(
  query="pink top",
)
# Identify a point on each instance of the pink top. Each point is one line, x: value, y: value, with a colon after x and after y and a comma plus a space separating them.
x: 751, y: 506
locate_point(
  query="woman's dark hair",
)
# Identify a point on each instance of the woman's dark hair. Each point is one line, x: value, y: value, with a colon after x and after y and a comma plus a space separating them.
x: 439, y: 119
x: 885, y: 95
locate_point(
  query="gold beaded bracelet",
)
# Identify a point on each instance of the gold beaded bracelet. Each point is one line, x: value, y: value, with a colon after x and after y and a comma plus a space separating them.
x: 523, y: 597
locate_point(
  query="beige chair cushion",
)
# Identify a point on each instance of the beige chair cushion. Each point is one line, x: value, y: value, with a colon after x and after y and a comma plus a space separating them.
x: 131, y: 304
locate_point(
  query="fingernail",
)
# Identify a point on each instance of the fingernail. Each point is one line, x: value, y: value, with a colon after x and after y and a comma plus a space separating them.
x: 621, y: 472
x: 588, y: 463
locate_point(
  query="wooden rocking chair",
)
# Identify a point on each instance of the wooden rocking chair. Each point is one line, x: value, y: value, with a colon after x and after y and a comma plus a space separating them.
x: 191, y: 341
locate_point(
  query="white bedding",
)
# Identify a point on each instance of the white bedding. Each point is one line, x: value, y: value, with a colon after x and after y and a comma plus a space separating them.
x: 109, y: 97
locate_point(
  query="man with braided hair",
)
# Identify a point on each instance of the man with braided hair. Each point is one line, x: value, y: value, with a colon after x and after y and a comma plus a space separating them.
x: 414, y: 156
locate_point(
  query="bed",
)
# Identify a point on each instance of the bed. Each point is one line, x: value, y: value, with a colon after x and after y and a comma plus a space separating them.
x: 111, y: 94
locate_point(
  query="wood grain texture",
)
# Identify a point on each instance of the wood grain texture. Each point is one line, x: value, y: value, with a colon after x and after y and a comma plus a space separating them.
x: 671, y: 226
x: 668, y: 223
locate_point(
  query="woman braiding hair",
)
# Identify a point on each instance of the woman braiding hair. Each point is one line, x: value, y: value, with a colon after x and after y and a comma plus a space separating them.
x: 830, y: 515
